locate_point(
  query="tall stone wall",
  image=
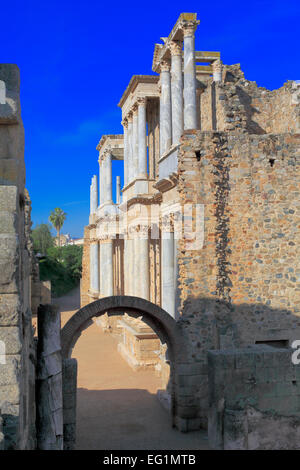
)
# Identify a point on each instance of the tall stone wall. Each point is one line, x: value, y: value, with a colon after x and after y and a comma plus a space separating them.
x: 237, y: 104
x: 17, y: 375
x: 243, y: 285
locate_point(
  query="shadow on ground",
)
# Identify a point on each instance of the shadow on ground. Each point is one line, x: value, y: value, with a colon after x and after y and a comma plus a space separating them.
x: 129, y: 419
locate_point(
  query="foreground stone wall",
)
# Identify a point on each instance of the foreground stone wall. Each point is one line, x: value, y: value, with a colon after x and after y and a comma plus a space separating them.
x: 254, y: 399
x: 17, y: 375
x: 242, y: 286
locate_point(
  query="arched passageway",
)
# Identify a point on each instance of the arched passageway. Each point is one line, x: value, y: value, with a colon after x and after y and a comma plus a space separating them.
x: 159, y: 320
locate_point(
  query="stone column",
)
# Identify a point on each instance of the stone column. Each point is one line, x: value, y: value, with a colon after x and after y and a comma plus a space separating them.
x: 142, y: 138
x: 135, y: 147
x: 125, y: 158
x: 190, y: 106
x: 108, y: 177
x: 130, y: 147
x: 107, y: 276
x: 217, y: 70
x: 136, y: 277
x: 101, y: 185
x: 118, y: 190
x: 94, y: 267
x: 165, y: 108
x: 94, y: 195
x: 177, y: 90
x: 167, y: 273
x: 49, y: 392
x: 144, y: 271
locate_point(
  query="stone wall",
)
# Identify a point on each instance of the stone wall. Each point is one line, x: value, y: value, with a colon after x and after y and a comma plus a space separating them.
x: 17, y: 376
x: 242, y: 286
x: 254, y: 399
x: 239, y: 104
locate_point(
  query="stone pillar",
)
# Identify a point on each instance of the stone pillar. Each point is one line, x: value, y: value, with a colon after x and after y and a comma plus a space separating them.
x: 165, y: 108
x: 69, y: 368
x: 167, y: 273
x: 142, y: 138
x: 118, y: 190
x: 144, y: 271
x: 108, y: 177
x: 190, y: 106
x: 94, y: 267
x: 177, y: 90
x: 94, y: 195
x: 136, y: 278
x: 101, y: 182
x: 135, y: 147
x: 125, y: 158
x: 49, y: 395
x: 129, y: 265
x: 217, y: 70
x: 107, y: 273
x: 130, y: 148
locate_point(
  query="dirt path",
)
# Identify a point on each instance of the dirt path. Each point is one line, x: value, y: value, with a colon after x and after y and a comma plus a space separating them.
x: 116, y: 407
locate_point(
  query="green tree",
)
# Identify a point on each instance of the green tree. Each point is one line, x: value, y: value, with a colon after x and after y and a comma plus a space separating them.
x: 57, y: 218
x: 42, y: 238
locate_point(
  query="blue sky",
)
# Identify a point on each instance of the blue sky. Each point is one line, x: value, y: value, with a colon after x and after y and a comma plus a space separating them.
x: 76, y: 58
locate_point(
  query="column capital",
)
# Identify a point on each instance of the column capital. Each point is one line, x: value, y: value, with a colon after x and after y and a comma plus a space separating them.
x: 129, y: 117
x: 141, y: 101
x: 217, y: 65
x: 164, y: 66
x: 189, y: 28
x: 175, y: 48
x: 134, y: 107
x: 124, y: 122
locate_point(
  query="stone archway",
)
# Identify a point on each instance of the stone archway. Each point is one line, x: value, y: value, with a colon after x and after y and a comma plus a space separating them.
x: 167, y: 329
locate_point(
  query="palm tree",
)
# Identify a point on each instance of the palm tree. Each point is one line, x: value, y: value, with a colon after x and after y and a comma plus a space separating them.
x: 57, y: 218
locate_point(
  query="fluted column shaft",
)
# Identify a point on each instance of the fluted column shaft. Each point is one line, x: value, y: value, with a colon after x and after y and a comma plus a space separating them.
x: 142, y: 138
x: 165, y: 108
x: 94, y: 266
x: 108, y: 177
x: 135, y: 142
x: 118, y: 190
x: 190, y: 106
x: 144, y: 281
x: 167, y: 273
x: 93, y: 195
x: 177, y: 90
x: 125, y: 127
x: 106, y: 259
x: 101, y: 183
x: 130, y: 149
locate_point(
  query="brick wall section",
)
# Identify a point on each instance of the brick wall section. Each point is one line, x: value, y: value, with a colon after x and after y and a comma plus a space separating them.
x: 252, y: 391
x: 243, y: 285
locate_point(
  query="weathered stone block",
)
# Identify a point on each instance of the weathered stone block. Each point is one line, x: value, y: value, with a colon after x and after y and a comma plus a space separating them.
x: 9, y: 262
x: 10, y: 309
x: 10, y: 335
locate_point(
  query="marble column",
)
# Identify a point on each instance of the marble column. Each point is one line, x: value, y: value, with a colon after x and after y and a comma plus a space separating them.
x: 190, y: 106
x: 125, y: 158
x: 94, y: 195
x: 106, y: 259
x: 167, y: 273
x: 136, y: 266
x: 94, y: 267
x: 135, y: 148
x: 176, y: 90
x: 217, y: 70
x: 108, y: 177
x: 130, y: 148
x: 118, y: 190
x: 144, y: 271
x: 142, y: 138
x: 165, y: 126
x: 101, y: 185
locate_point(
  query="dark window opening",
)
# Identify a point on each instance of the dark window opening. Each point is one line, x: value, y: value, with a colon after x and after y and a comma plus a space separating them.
x: 272, y: 161
x: 198, y: 155
x: 276, y: 343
